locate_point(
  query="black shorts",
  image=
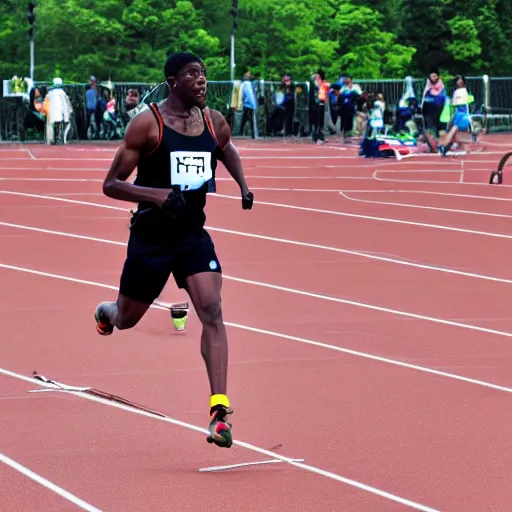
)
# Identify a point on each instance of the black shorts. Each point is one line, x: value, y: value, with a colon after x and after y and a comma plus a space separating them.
x: 150, y: 262
x: 431, y: 115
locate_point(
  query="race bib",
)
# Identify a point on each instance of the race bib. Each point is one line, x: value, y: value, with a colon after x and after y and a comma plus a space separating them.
x: 190, y: 170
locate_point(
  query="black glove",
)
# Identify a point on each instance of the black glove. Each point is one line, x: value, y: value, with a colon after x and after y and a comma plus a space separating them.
x: 174, y: 205
x: 247, y: 200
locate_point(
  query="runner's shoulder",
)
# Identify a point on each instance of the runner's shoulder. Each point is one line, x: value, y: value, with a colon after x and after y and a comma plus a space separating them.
x: 220, y: 126
x: 141, y: 130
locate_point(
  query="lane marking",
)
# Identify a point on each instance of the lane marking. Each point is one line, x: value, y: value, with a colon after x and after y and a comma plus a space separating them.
x: 308, y: 177
x: 362, y: 254
x: 248, y: 446
x: 370, y: 217
x: 273, y: 157
x: 46, y: 483
x: 428, y: 192
x: 61, y: 199
x: 323, y: 296
x: 50, y: 179
x: 293, y: 207
x: 421, y: 207
x: 288, y: 337
x: 430, y: 182
x: 218, y: 178
x: 38, y: 170
x: 244, y: 464
x: 30, y: 154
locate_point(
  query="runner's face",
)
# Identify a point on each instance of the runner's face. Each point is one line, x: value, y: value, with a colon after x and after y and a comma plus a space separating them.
x: 434, y: 77
x: 191, y: 84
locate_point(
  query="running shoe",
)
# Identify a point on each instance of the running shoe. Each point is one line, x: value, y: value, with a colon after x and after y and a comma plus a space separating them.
x: 220, y: 429
x: 103, y: 324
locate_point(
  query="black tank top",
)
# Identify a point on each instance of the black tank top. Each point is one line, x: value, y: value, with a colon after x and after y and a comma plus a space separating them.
x: 183, y: 162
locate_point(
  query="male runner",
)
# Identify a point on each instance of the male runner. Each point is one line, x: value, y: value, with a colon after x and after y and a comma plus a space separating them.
x: 175, y: 146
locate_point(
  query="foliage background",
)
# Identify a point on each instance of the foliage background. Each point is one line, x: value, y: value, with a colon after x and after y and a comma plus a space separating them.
x: 128, y: 40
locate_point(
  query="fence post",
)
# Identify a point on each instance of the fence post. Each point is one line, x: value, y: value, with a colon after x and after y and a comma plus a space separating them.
x: 487, y: 100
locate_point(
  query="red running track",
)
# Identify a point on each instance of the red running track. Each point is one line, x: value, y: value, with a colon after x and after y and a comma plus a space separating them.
x: 369, y: 331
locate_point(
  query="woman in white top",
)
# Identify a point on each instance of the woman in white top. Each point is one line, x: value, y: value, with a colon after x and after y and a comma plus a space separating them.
x: 461, y: 121
x: 59, y: 112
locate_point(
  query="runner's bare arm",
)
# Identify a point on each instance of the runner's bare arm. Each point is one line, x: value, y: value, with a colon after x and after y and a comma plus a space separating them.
x: 141, y: 136
x: 230, y: 157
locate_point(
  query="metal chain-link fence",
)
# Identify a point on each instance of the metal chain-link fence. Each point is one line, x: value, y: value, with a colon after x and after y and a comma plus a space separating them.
x: 492, y: 105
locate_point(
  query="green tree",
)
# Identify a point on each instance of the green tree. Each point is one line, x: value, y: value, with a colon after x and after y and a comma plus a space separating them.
x: 366, y: 50
x: 128, y: 40
x: 464, y: 46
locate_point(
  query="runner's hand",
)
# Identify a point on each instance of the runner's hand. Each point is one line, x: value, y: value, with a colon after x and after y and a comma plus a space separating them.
x: 247, y: 200
x: 174, y: 205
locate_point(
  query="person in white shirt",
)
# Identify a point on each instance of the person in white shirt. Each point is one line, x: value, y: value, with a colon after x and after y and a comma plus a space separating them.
x: 59, y: 111
x: 461, y: 121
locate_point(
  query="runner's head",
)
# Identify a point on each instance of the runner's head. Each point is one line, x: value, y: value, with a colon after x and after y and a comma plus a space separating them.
x: 185, y: 73
x: 460, y: 81
x: 433, y: 76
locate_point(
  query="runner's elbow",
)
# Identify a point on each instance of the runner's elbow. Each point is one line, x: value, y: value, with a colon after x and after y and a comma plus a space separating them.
x: 109, y: 186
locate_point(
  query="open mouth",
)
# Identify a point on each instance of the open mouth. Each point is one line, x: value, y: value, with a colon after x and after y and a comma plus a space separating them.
x: 201, y: 93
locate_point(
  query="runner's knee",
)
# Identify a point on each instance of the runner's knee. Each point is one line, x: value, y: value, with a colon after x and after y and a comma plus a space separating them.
x: 129, y: 313
x: 209, y: 310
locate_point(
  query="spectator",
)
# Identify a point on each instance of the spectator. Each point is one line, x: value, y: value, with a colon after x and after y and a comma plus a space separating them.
x: 334, y: 106
x: 132, y: 99
x: 92, y: 119
x: 406, y: 109
x: 461, y: 120
x: 58, y: 113
x: 36, y: 116
x: 434, y: 97
x: 322, y: 87
x: 133, y: 105
x: 348, y: 98
x: 111, y: 121
x: 249, y: 105
x: 282, y: 116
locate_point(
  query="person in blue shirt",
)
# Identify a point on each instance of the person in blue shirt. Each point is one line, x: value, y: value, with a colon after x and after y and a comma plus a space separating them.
x: 93, y: 121
x: 249, y: 104
x: 347, y: 100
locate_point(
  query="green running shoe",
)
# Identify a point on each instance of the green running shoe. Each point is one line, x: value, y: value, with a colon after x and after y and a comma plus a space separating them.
x: 220, y: 429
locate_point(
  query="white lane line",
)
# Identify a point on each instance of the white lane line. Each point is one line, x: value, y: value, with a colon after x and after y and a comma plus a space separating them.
x: 288, y: 337
x: 370, y: 217
x: 430, y: 182
x: 61, y: 199
x: 30, y: 154
x: 421, y: 207
x: 362, y: 254
x: 248, y: 446
x: 218, y: 178
x: 54, y: 169
x: 273, y: 157
x: 296, y: 291
x: 426, y: 192
x: 51, y: 179
x: 293, y: 207
x: 308, y: 177
x: 46, y: 483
